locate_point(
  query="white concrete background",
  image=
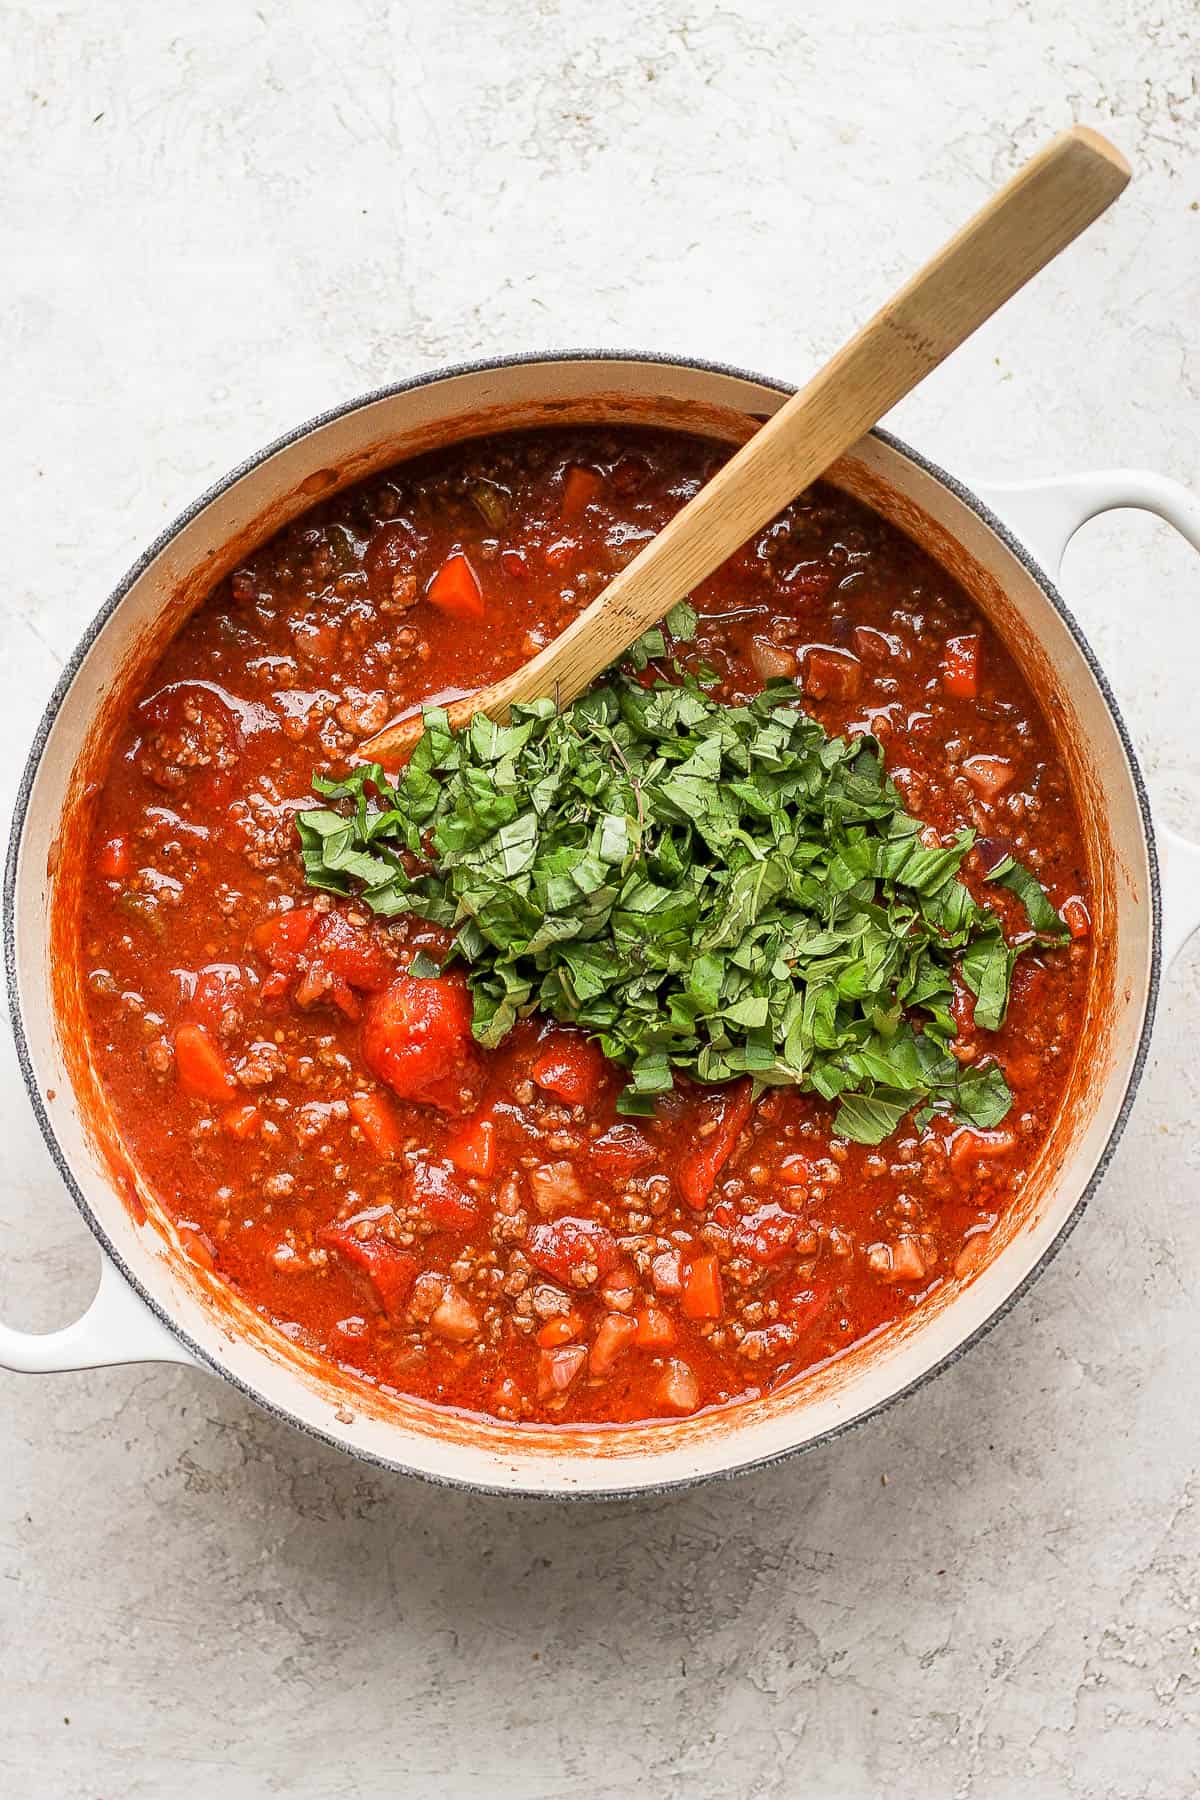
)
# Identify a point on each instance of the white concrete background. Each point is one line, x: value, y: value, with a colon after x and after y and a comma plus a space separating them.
x: 219, y: 219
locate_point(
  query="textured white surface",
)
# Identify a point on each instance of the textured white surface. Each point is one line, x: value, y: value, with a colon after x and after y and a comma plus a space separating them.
x: 220, y: 219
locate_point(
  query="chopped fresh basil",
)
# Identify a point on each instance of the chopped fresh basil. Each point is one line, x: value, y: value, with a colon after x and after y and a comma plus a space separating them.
x: 721, y: 890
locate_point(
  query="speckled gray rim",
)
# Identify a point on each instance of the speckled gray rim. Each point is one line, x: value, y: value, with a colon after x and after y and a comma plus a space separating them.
x: 71, y: 669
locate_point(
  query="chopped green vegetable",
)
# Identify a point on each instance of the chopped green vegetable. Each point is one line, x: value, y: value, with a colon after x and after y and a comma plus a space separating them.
x: 721, y: 890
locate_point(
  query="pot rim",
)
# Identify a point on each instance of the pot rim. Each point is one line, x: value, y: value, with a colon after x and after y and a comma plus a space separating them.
x: 79, y: 655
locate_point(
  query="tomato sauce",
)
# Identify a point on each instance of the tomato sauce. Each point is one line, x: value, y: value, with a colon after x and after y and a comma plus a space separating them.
x: 484, y: 1230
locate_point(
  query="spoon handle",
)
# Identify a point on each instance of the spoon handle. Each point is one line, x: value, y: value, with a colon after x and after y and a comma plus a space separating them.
x: 1045, y: 205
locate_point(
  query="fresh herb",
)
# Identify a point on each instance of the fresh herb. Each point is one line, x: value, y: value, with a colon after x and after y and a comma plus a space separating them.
x: 722, y: 890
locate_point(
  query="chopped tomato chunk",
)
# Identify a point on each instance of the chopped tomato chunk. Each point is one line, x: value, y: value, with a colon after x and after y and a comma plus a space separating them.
x: 580, y: 487
x: 960, y: 667
x: 391, y: 1270
x: 702, y: 1297
x: 577, y: 1252
x: 112, y: 860
x: 570, y: 1066
x: 473, y: 1149
x: 378, y: 1123
x: 280, y: 939
x: 442, y: 1201
x: 1076, y: 917
x: 622, y: 1151
x: 455, y: 589
x: 417, y: 1038
x: 723, y: 1117
x: 240, y: 1121
x: 350, y: 954
x: 201, y: 1066
x: 988, y: 775
x: 832, y: 675
x: 969, y: 1146
x: 766, y: 1235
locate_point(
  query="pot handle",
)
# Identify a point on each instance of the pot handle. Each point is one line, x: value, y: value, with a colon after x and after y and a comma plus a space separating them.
x: 1046, y: 515
x: 117, y: 1327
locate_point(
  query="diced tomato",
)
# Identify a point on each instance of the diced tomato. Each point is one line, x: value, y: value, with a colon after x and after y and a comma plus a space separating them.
x: 201, y: 1066
x: 802, y: 1301
x: 351, y: 954
x: 832, y: 675
x: 723, y: 1117
x: 988, y: 775
x: 514, y: 565
x: 616, y: 1332
x: 275, y: 986
x: 280, y: 939
x: 622, y: 1151
x: 969, y: 1146
x: 571, y: 1066
x: 960, y: 667
x: 240, y: 1121
x: 560, y: 1330
x: 220, y: 989
x: 441, y: 1200
x: 455, y: 589
x: 766, y: 1235
x: 558, y: 554
x: 473, y: 1149
x: 702, y: 1297
x: 112, y: 860
x: 1076, y: 917
x: 577, y: 1252
x: 417, y: 1038
x: 874, y: 645
x: 391, y: 1270
x: 655, y: 1329
x: 580, y: 488
x: 378, y: 1123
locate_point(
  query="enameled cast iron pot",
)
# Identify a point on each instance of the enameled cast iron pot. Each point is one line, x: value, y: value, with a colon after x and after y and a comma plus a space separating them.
x: 154, y: 1304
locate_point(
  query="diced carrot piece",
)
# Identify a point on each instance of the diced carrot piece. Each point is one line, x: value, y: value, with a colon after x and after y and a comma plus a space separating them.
x: 391, y: 1270
x: 725, y: 1115
x: 702, y: 1297
x: 832, y: 675
x: 473, y: 1149
x: 240, y: 1121
x: 655, y: 1329
x: 1076, y: 917
x: 570, y: 1066
x: 201, y: 1065
x: 616, y: 1332
x: 560, y: 1330
x: 580, y: 487
x: 960, y: 667
x: 377, y: 1122
x: 455, y: 589
x: 112, y: 860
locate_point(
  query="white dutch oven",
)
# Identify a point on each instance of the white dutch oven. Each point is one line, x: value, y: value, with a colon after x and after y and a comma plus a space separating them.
x: 155, y: 1305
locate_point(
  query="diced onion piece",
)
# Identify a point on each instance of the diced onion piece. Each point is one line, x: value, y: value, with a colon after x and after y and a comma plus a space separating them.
x: 617, y: 1331
x: 678, y: 1389
x: 454, y: 1317
x: 558, y: 1368
x: 988, y: 775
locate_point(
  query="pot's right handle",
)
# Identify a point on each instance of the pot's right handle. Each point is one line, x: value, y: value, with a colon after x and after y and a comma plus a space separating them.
x: 1046, y: 515
x: 118, y: 1327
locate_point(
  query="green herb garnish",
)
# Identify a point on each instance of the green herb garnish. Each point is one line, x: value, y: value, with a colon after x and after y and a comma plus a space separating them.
x: 722, y: 890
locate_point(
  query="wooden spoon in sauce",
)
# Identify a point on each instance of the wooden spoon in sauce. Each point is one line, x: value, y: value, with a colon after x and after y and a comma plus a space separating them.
x: 1054, y: 197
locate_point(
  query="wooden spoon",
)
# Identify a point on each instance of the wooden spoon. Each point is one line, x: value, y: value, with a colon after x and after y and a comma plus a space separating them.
x: 1057, y: 194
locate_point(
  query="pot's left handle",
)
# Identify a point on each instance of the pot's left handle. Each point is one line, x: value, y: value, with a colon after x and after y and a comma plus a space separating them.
x: 1046, y: 515
x: 117, y: 1327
